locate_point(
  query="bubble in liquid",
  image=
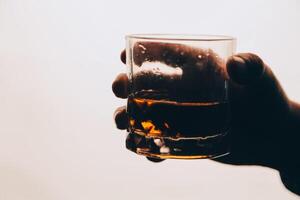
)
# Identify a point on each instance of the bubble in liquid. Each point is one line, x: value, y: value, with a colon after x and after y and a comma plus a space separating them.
x: 164, y: 150
x: 159, y: 142
x: 177, y: 149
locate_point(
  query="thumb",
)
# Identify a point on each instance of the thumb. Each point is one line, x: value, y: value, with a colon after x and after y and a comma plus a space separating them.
x: 246, y: 68
x: 252, y: 79
x: 249, y: 71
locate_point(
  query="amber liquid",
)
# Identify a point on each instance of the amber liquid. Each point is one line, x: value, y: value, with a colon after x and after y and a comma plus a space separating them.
x: 164, y: 128
x: 176, y: 119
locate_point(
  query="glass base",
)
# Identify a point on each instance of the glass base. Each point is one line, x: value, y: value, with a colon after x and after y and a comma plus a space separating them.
x: 179, y: 148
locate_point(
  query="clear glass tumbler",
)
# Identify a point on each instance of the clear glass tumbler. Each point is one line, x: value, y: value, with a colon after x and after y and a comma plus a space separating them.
x: 178, y: 96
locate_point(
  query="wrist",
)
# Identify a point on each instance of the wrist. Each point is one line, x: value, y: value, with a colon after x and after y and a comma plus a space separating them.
x: 289, y: 167
x: 293, y: 133
x: 286, y: 146
x: 290, y: 137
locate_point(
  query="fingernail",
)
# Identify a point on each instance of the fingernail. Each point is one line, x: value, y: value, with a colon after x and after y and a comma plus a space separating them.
x: 238, y: 59
x: 237, y: 69
x: 245, y: 68
x: 239, y: 64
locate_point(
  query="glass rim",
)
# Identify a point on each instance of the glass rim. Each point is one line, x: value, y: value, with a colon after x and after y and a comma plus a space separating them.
x: 181, y: 37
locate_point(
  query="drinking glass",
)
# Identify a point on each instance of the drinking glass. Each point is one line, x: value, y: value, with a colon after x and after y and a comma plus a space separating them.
x: 178, y: 102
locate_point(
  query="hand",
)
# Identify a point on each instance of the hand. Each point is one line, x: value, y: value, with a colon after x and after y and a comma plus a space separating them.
x: 262, y: 114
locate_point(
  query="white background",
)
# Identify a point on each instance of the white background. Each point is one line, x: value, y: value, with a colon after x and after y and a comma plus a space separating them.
x: 57, y: 61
